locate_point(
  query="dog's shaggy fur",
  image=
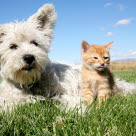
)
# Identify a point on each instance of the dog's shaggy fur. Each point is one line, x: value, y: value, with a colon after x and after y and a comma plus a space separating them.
x: 26, y: 70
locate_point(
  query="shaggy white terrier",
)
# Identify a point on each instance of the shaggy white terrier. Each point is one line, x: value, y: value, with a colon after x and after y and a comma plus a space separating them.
x: 26, y: 70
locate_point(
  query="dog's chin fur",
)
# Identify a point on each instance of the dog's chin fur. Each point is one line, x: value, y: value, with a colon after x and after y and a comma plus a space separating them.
x: 24, y: 77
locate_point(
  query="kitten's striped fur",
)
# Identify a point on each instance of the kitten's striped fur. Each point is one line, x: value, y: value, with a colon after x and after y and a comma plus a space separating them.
x: 97, y: 80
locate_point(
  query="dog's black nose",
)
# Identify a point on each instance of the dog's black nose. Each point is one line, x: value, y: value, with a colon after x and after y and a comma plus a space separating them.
x: 29, y: 59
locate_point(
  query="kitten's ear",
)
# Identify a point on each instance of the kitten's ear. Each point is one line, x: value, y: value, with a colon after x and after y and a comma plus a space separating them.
x: 108, y: 45
x: 44, y: 18
x: 85, y: 46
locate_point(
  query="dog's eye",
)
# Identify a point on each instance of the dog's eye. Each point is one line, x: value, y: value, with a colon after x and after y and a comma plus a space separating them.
x: 13, y: 46
x: 34, y: 42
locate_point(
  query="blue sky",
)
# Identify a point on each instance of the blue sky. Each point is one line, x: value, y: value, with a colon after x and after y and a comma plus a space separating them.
x: 96, y: 21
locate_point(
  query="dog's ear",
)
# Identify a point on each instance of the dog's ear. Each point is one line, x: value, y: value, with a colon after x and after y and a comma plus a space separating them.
x: 45, y: 18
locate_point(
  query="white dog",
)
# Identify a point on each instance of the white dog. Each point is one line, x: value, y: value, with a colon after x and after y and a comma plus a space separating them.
x: 26, y: 69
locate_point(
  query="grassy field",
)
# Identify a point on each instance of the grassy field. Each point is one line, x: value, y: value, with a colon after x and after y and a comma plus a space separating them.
x: 123, y: 65
x: 117, y: 117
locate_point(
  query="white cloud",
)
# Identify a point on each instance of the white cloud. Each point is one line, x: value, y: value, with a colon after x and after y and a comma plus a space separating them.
x: 124, y: 22
x: 129, y: 53
x: 109, y: 34
x: 108, y: 4
x: 103, y: 28
x: 121, y: 7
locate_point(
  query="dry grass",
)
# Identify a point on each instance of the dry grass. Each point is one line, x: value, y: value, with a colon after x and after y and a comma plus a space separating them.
x: 123, y: 65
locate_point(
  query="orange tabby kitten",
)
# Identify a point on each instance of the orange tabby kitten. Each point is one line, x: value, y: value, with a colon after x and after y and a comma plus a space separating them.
x: 97, y: 80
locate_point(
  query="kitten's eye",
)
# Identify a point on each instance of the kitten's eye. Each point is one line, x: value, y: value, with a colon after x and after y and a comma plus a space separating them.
x: 95, y: 58
x: 13, y: 46
x: 105, y: 58
x: 34, y: 42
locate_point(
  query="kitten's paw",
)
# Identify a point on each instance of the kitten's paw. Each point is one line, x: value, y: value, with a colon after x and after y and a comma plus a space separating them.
x: 88, y: 101
x: 88, y: 96
x: 103, y: 98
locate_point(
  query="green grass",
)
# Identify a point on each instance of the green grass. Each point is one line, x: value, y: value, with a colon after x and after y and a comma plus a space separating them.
x: 129, y: 76
x: 117, y: 117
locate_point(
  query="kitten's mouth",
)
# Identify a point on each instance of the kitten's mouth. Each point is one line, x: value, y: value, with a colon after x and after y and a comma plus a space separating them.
x: 101, y: 68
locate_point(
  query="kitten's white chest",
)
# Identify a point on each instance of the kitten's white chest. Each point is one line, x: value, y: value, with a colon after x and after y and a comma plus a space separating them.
x: 94, y: 86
